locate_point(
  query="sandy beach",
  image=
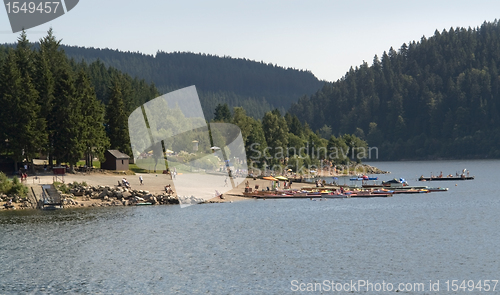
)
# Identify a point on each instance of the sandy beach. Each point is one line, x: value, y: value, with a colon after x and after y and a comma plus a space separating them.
x: 155, y: 184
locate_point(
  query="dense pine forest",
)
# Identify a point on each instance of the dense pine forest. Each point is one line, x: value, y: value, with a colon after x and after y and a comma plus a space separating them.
x: 256, y: 86
x: 68, y: 111
x: 435, y: 98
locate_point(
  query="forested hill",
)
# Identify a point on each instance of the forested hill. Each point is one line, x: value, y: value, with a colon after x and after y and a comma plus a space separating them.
x: 436, y: 98
x: 257, y: 86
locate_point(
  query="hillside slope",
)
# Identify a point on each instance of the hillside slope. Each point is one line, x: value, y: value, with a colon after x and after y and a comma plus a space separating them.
x: 435, y: 98
x: 256, y: 86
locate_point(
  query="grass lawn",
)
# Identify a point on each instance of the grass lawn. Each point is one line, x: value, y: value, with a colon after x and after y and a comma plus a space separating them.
x: 136, y: 169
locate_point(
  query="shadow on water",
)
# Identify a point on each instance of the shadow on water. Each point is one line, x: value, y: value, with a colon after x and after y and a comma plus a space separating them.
x: 33, y: 216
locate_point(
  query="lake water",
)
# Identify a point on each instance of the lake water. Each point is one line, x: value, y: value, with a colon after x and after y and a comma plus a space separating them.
x: 266, y: 246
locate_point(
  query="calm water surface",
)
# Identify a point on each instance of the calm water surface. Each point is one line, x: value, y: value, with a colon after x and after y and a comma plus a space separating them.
x: 260, y: 247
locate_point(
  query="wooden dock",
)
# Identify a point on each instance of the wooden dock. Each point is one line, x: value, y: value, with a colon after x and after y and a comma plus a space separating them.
x: 446, y: 178
x: 50, y: 198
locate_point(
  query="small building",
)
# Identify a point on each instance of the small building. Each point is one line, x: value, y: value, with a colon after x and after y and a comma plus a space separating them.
x: 115, y: 160
x: 59, y: 170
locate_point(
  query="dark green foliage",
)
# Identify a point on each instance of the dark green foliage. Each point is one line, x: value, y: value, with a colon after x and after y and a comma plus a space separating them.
x: 117, y: 120
x: 276, y: 134
x: 338, y: 150
x: 12, y: 188
x: 94, y: 136
x: 222, y: 113
x: 22, y: 130
x: 256, y: 86
x: 69, y: 122
x: 252, y: 134
x: 437, y: 98
x: 48, y: 108
x: 135, y: 92
x: 64, y: 188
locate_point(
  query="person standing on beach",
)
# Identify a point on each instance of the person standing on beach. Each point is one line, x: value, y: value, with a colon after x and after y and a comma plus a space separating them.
x: 140, y: 179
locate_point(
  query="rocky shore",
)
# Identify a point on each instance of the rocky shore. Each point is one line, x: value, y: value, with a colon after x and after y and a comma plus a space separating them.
x: 100, y: 194
x: 374, y: 170
x: 113, y: 196
x: 15, y: 202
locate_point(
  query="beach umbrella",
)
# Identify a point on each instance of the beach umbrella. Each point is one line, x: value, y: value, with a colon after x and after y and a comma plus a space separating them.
x: 269, y: 178
x: 281, y: 178
x: 289, y: 170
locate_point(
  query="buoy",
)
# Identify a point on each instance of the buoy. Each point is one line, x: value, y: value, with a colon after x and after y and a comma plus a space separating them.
x: 456, y: 184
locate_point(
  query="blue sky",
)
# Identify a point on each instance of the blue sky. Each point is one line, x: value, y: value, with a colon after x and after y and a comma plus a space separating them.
x: 325, y: 37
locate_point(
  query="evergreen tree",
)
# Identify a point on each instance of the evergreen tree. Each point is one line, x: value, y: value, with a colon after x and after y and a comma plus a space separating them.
x: 117, y: 121
x: 337, y: 150
x: 222, y: 113
x: 68, y: 142
x: 256, y: 144
x: 295, y: 126
x: 276, y: 134
x: 93, y: 132
x: 23, y: 131
x: 437, y: 97
x: 241, y: 120
x: 49, y: 62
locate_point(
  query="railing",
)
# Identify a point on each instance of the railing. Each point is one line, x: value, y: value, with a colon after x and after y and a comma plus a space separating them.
x: 58, y: 178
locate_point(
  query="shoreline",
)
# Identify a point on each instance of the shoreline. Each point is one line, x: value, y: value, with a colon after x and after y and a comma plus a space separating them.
x: 152, y: 189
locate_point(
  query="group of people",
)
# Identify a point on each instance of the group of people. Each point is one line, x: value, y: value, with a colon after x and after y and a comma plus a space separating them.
x: 320, y: 183
x: 23, y: 174
x: 168, y: 189
x: 172, y: 173
x: 125, y: 183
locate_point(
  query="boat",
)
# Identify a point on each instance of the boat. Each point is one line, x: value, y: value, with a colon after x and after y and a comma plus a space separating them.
x: 369, y: 194
x: 438, y: 189
x: 463, y: 176
x: 143, y: 204
x: 327, y: 195
x: 436, y: 178
x: 295, y: 194
x: 395, y: 183
x: 363, y: 178
x: 52, y: 207
x: 412, y: 191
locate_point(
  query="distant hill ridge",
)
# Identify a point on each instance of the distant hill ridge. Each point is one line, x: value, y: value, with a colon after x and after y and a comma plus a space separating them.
x: 257, y: 86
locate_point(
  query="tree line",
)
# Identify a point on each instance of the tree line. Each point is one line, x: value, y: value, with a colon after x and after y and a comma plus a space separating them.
x: 279, y: 141
x: 69, y: 110
x: 61, y: 108
x: 435, y: 98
